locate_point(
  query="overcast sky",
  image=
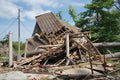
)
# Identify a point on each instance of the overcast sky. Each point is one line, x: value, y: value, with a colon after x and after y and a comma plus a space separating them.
x: 30, y: 9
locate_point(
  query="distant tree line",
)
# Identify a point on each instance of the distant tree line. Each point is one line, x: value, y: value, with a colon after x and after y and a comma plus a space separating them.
x: 5, y: 41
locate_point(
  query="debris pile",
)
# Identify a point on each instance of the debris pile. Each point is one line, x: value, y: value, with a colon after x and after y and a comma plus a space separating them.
x: 56, y: 46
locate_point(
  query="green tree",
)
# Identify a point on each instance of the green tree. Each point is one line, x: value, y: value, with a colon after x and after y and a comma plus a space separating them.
x: 59, y: 14
x: 5, y: 40
x: 73, y: 13
x: 15, y: 46
x: 100, y: 18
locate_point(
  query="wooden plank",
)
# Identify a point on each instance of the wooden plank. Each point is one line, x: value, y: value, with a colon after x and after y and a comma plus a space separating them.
x: 67, y: 48
x: 28, y: 60
x: 26, y: 46
x: 48, y: 46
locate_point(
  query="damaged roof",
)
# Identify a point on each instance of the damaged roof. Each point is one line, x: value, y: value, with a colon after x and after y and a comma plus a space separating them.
x: 50, y: 24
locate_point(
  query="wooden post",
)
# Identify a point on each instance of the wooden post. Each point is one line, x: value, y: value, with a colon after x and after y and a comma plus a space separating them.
x: 10, y: 49
x: 90, y: 61
x: 26, y: 45
x: 105, y: 65
x: 67, y: 48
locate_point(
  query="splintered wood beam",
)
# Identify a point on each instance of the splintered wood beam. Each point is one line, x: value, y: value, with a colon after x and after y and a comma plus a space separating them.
x: 47, y: 46
x: 45, y: 62
x: 80, y: 45
x: 91, y: 66
x: 27, y: 60
x: 26, y: 45
x: 41, y: 56
x: 60, y: 62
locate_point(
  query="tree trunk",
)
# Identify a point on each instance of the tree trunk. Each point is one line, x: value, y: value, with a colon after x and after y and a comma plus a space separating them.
x: 107, y: 44
x: 114, y: 55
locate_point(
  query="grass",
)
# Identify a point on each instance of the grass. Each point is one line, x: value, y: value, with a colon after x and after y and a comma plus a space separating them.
x: 16, y: 51
x: 115, y: 63
x: 3, y: 59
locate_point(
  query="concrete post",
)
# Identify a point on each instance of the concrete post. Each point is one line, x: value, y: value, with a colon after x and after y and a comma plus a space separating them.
x: 10, y: 49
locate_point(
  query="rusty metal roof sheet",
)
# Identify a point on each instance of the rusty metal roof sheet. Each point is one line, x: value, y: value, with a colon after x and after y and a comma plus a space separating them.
x: 49, y: 23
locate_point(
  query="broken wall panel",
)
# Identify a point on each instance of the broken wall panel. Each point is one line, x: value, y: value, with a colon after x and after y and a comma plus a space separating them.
x: 33, y: 43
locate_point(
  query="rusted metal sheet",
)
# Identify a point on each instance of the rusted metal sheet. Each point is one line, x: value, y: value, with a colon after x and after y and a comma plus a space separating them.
x: 49, y: 23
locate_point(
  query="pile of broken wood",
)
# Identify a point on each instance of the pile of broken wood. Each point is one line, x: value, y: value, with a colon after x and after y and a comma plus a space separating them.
x: 82, y: 54
x: 68, y: 53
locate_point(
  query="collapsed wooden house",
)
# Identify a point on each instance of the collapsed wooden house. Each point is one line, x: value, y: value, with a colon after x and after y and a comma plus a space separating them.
x: 47, y: 47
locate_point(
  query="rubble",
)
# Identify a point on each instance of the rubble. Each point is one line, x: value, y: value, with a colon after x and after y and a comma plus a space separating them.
x: 3, y: 50
x: 46, y: 50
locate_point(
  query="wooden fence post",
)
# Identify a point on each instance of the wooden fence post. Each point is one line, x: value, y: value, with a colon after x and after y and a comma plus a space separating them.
x: 67, y: 48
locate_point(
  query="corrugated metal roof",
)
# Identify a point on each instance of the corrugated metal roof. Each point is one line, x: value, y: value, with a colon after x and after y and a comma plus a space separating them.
x: 49, y: 23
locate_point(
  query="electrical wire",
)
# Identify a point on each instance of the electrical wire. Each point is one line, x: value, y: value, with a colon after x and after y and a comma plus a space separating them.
x: 8, y: 27
x: 25, y: 28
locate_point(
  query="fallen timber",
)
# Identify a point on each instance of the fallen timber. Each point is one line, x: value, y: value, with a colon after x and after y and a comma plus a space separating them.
x: 107, y: 44
x: 46, y: 50
x: 113, y: 55
x: 98, y: 45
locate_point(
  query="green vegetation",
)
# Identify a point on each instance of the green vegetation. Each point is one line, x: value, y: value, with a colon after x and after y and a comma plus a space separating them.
x: 100, y: 17
x: 115, y: 63
x: 4, y: 59
x: 59, y: 14
x: 5, y: 40
x: 15, y: 47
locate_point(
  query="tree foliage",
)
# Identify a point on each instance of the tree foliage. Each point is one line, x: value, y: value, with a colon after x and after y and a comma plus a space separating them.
x: 15, y: 45
x: 101, y: 18
x: 5, y: 40
x: 117, y: 4
x: 72, y: 13
x: 59, y: 14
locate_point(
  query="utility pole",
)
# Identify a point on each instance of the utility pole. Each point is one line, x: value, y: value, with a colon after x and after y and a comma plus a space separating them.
x: 18, y: 34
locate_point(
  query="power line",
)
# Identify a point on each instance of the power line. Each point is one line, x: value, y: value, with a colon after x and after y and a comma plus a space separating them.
x: 25, y: 27
x: 8, y: 27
